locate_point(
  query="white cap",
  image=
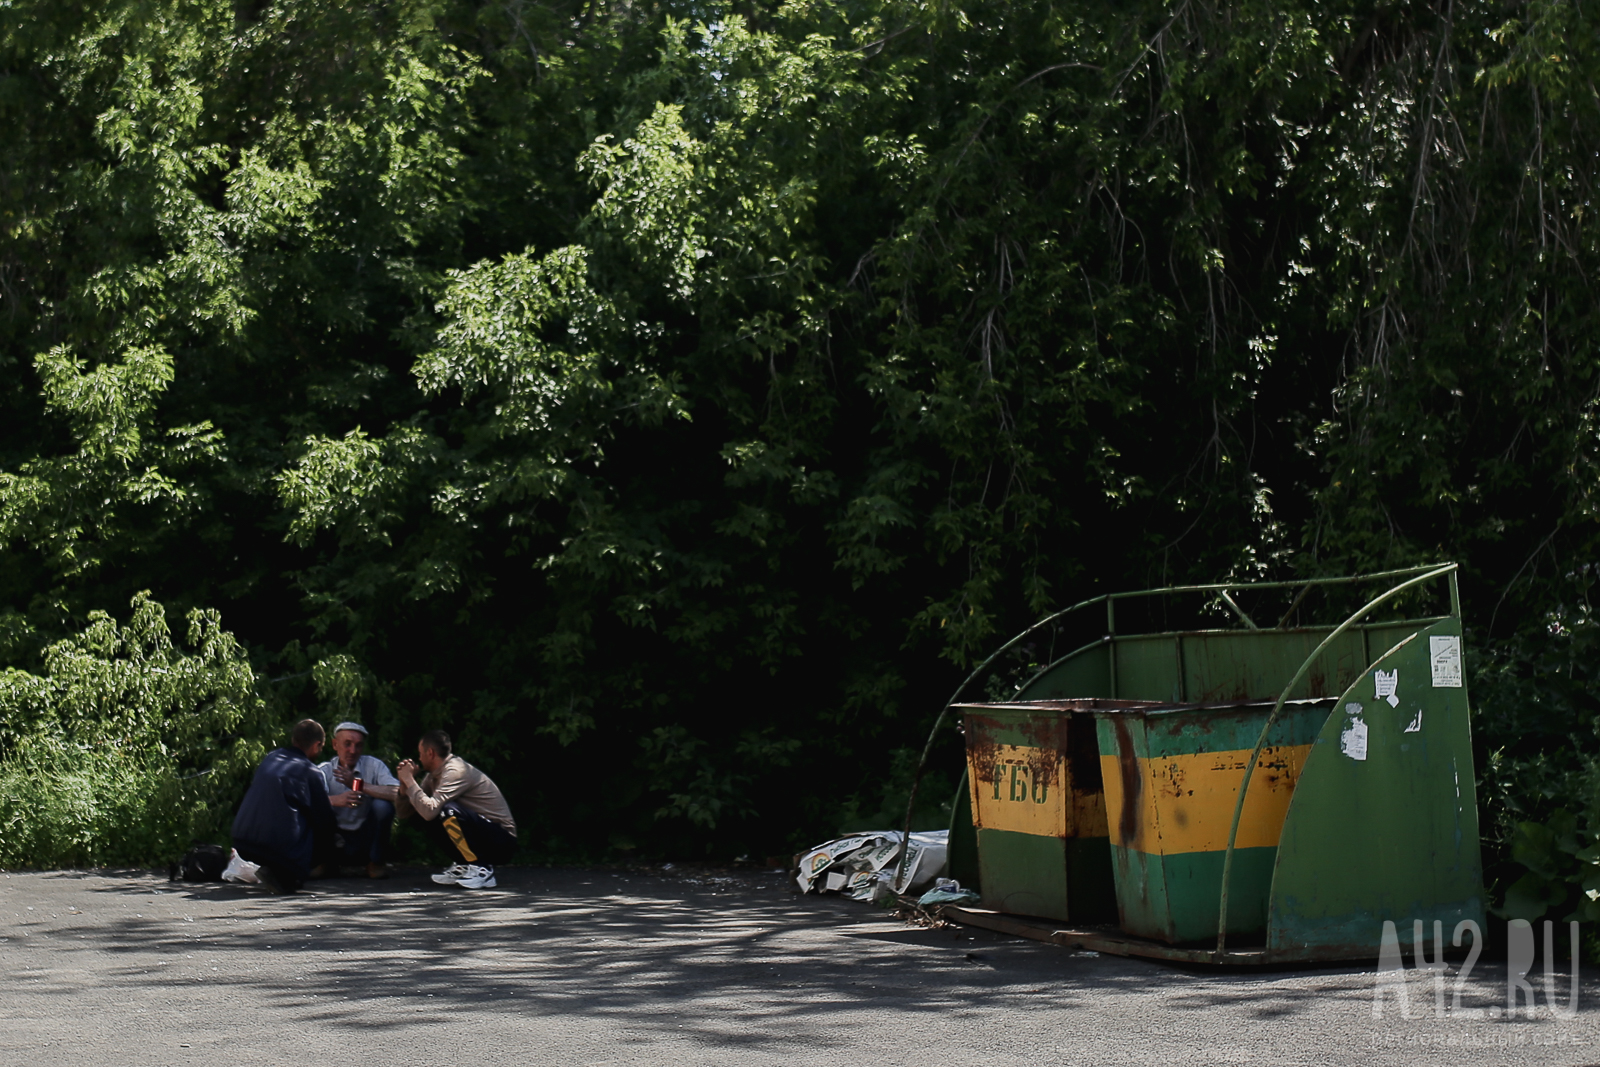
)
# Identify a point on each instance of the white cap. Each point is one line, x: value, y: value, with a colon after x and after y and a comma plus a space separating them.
x: 351, y: 726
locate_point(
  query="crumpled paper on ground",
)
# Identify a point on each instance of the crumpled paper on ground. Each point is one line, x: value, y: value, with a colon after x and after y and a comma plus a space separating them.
x: 863, y: 866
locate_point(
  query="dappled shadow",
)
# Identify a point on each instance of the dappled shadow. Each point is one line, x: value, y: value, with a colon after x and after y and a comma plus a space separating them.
x: 652, y: 954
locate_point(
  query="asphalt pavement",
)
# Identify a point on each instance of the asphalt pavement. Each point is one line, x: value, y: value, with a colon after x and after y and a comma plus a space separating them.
x: 653, y: 967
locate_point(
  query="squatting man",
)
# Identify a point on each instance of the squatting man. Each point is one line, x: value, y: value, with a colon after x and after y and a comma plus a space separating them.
x: 301, y: 820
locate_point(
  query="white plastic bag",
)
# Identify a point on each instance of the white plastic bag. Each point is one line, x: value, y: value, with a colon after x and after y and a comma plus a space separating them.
x: 240, y: 870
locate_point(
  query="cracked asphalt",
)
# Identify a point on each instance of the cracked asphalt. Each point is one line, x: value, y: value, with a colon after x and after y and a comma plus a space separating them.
x: 599, y: 966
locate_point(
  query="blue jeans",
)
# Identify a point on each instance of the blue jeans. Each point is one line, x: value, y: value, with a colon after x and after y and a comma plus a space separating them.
x: 369, y: 842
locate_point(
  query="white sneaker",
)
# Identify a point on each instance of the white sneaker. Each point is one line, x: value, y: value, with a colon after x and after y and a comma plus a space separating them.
x: 477, y: 878
x: 452, y: 875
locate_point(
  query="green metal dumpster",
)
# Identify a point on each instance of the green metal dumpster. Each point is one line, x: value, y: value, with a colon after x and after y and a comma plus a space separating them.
x: 1294, y: 787
x: 1172, y: 775
x: 1033, y: 772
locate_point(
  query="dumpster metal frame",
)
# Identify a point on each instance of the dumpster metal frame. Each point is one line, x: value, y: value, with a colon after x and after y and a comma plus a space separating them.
x: 1299, y: 939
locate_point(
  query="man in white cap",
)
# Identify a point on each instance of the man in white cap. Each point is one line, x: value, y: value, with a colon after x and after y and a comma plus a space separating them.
x: 364, y: 817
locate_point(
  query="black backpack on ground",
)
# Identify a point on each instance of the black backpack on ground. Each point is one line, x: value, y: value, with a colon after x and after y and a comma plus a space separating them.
x: 202, y: 863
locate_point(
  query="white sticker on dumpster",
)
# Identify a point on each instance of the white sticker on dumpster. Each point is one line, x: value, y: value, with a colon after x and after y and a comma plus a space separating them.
x: 1445, y: 655
x: 1385, y: 684
x: 1353, y: 742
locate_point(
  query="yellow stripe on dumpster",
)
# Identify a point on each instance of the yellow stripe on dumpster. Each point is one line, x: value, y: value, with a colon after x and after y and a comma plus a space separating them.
x: 1023, y: 789
x: 1195, y: 796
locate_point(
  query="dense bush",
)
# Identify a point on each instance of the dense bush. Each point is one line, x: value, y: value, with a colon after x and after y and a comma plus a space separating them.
x: 128, y: 746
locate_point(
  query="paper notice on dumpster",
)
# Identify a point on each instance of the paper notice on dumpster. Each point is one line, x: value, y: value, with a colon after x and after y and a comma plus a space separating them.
x: 1444, y: 653
x: 1353, y: 741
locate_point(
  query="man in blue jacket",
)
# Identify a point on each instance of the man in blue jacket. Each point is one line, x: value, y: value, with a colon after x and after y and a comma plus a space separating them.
x: 285, y: 822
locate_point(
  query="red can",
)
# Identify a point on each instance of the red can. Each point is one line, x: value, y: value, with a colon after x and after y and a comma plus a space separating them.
x: 355, y: 785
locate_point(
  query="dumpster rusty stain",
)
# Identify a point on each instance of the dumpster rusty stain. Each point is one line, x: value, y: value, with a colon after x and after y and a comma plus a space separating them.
x: 1043, y: 744
x: 1047, y: 739
x: 1056, y: 754
x: 983, y: 746
x: 1016, y: 787
x: 1132, y: 782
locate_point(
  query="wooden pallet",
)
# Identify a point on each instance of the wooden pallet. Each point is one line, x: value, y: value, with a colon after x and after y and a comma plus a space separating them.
x: 1112, y: 942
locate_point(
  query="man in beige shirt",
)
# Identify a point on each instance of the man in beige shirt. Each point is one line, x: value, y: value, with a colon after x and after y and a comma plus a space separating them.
x: 462, y: 808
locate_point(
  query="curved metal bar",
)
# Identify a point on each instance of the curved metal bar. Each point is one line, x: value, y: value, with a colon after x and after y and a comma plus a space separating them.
x: 1348, y: 579
x: 1249, y: 770
x: 1059, y: 660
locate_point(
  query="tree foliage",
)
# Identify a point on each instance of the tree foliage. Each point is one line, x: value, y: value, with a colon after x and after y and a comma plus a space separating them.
x: 672, y: 400
x: 128, y: 745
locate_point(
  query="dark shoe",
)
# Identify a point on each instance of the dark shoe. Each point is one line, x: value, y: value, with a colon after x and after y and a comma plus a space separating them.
x: 377, y: 870
x: 269, y: 882
x: 319, y: 871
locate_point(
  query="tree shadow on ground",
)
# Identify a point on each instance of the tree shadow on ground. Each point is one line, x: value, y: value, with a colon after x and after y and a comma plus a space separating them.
x: 652, y: 953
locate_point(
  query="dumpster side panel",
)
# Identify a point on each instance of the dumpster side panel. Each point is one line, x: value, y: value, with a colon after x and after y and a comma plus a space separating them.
x: 1384, y: 636
x: 1142, y: 906
x: 1384, y: 822
x: 1021, y: 807
x: 1218, y: 730
x: 1131, y: 815
x: 1148, y: 668
x: 1170, y: 797
x: 1023, y: 874
x: 962, y: 863
x: 1257, y: 664
x: 1188, y: 800
x: 1194, y: 884
x: 1016, y: 768
x: 1084, y: 673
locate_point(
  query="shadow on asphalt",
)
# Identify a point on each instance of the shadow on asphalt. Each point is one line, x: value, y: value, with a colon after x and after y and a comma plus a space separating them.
x: 641, y: 947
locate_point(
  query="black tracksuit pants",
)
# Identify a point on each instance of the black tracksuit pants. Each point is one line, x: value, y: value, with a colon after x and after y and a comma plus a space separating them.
x: 470, y: 836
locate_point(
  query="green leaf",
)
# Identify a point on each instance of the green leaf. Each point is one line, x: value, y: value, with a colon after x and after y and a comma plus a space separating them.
x: 1535, y: 846
x: 1530, y: 896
